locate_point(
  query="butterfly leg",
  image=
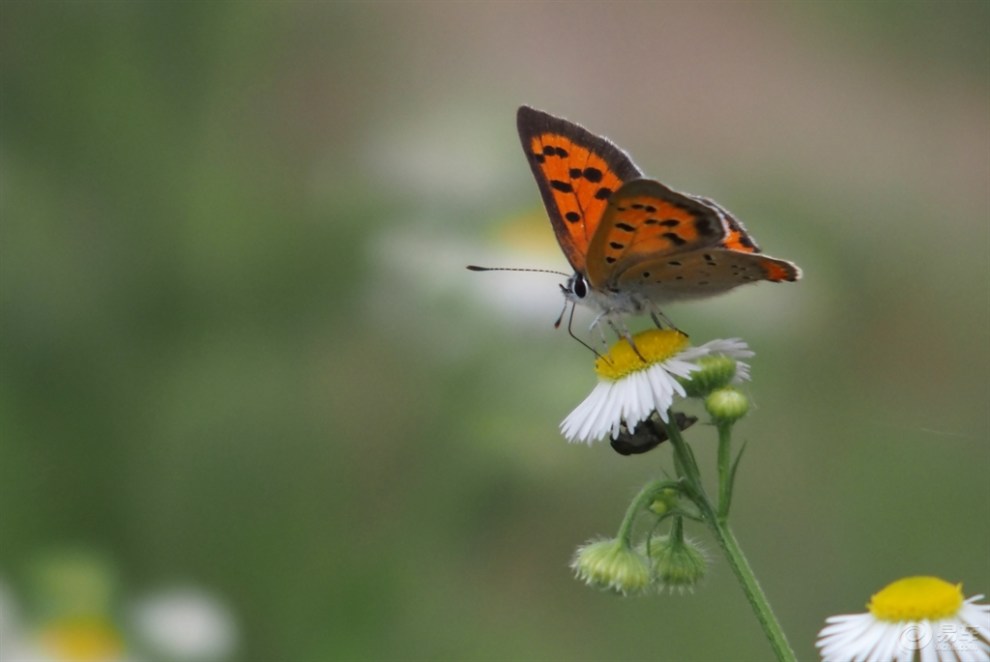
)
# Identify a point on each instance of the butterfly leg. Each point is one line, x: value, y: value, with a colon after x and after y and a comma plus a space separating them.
x: 660, y: 320
x: 596, y: 324
x: 570, y: 321
x: 621, y: 331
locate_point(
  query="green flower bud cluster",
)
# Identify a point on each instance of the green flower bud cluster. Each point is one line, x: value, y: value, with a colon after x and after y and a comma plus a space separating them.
x: 662, y: 563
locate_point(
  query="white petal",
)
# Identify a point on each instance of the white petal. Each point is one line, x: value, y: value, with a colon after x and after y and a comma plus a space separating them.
x: 887, y: 643
x: 976, y: 616
x: 634, y: 397
x: 580, y: 422
x: 929, y: 651
x: 662, y: 392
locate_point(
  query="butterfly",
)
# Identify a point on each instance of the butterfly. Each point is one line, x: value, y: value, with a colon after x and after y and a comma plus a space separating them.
x: 634, y: 243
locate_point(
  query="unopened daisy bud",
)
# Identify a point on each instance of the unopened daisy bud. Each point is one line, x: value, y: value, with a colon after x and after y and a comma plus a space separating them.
x: 715, y: 372
x: 611, y: 564
x: 726, y: 405
x: 678, y: 563
x: 664, y: 502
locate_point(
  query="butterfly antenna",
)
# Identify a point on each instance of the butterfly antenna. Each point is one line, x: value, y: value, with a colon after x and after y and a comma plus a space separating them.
x: 473, y: 267
x: 556, y: 325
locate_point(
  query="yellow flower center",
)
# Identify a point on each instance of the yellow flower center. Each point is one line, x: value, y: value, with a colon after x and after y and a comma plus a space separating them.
x: 655, y: 346
x: 82, y: 639
x: 917, y: 599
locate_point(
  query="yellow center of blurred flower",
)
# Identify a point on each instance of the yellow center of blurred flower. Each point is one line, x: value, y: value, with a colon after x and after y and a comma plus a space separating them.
x: 83, y: 639
x: 655, y: 345
x: 917, y: 599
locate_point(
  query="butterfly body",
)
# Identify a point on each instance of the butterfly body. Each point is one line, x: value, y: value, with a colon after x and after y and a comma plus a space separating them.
x: 633, y: 242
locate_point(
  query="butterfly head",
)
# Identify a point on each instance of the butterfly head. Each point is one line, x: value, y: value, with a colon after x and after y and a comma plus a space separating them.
x: 610, y: 302
x: 576, y: 288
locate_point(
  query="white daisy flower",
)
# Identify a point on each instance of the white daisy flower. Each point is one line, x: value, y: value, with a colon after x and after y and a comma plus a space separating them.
x: 633, y: 384
x: 915, y: 618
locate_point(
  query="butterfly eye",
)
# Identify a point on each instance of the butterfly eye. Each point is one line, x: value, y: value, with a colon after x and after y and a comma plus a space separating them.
x: 578, y: 286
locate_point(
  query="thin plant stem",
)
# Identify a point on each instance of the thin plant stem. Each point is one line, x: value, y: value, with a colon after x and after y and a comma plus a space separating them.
x: 751, y: 587
x: 642, y: 500
x: 724, y: 470
x: 727, y: 541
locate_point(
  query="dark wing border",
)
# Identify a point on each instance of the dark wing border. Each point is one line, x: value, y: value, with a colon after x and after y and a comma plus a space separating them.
x: 531, y: 122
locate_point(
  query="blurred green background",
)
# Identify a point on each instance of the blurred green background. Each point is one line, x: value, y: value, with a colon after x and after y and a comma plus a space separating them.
x: 240, y: 350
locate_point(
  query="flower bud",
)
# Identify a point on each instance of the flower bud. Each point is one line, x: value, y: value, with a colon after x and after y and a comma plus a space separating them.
x: 611, y: 564
x: 664, y: 502
x: 678, y: 563
x: 726, y: 405
x: 715, y: 372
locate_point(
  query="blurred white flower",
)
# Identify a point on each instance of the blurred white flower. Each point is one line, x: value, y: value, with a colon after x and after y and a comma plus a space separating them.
x: 185, y: 624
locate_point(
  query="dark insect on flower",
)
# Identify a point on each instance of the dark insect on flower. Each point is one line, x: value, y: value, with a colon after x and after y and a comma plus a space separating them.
x: 648, y: 434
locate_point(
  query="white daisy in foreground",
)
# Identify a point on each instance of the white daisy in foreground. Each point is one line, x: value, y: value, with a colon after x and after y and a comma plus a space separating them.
x: 916, y: 618
x: 633, y: 385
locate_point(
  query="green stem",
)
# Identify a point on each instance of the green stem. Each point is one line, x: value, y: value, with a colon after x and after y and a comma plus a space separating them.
x: 677, y: 530
x: 726, y: 540
x: 683, y: 454
x: 642, y: 500
x: 751, y: 587
x: 724, y: 470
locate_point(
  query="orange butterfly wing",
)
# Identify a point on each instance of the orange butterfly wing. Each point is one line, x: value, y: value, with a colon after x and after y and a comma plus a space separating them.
x: 701, y: 273
x: 577, y: 172
x: 645, y: 219
x: 738, y: 238
x: 666, y: 245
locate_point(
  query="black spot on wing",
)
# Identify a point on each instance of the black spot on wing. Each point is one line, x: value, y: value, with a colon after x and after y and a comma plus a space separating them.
x: 704, y: 226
